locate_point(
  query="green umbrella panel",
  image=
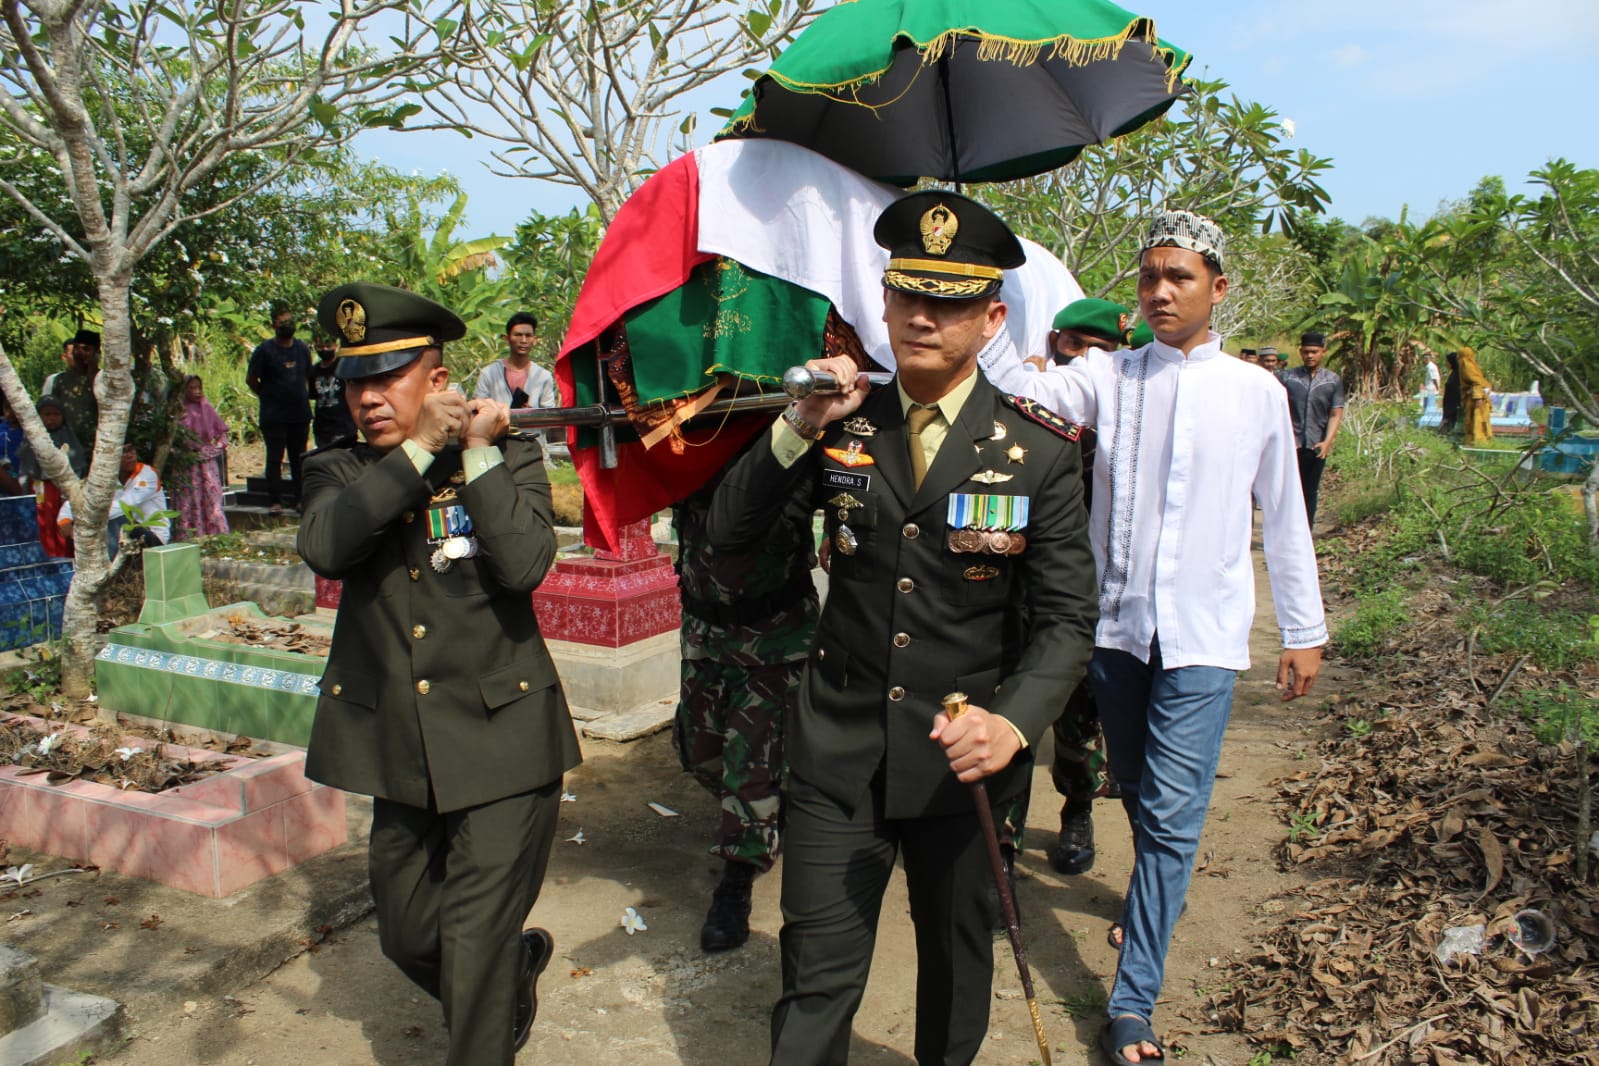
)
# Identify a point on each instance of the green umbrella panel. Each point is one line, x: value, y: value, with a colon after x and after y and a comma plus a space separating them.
x: 963, y: 90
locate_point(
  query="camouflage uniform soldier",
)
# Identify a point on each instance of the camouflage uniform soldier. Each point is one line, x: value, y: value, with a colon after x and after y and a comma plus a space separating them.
x: 748, y: 620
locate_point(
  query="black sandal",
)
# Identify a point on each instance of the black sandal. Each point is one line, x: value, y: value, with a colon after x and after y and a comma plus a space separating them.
x: 1129, y: 1030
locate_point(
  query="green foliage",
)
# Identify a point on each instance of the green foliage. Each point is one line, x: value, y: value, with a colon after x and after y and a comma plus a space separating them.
x: 1377, y: 617
x: 39, y: 676
x: 1087, y: 1003
x: 1557, y: 638
x: 1559, y: 713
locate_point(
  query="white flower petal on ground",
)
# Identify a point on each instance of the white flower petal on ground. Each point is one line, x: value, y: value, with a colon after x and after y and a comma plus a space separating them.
x: 48, y: 743
x: 576, y: 838
x: 567, y: 797
x: 128, y: 753
x: 632, y: 922
x: 664, y: 812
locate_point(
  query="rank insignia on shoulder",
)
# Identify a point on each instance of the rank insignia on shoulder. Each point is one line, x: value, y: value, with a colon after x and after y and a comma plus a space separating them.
x: 850, y: 456
x: 860, y: 427
x: 991, y: 477
x: 981, y: 573
x: 1045, y: 417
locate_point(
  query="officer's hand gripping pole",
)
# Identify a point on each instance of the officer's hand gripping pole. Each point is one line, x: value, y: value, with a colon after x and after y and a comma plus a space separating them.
x: 955, y: 706
x: 798, y: 383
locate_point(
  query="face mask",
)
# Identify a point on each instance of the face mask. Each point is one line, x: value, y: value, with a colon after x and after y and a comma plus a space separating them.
x: 285, y: 333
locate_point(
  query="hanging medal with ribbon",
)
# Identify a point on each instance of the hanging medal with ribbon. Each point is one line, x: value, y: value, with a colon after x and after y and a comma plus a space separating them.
x: 449, y: 531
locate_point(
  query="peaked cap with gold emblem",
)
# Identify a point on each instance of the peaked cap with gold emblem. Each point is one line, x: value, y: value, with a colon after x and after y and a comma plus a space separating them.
x: 381, y: 328
x: 945, y: 245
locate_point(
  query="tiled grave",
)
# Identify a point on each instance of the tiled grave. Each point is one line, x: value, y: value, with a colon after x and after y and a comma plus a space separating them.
x: 254, y: 818
x: 33, y: 586
x: 169, y: 665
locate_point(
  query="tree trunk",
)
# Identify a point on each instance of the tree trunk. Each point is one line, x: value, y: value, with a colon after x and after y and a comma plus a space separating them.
x: 91, y: 498
x: 1590, y: 490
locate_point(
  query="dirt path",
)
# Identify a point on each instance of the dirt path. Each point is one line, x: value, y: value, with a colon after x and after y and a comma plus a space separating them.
x: 653, y: 999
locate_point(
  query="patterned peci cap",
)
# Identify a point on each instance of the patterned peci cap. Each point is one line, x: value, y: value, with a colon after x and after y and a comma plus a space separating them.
x: 1184, y: 229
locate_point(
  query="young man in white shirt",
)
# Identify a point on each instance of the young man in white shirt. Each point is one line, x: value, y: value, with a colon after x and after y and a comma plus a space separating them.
x: 1186, y: 437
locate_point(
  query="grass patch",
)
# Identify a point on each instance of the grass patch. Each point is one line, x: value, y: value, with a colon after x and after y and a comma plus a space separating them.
x: 1378, y: 616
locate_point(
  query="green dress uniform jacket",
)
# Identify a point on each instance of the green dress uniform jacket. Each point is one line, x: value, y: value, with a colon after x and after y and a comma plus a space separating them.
x: 439, y: 692
x: 910, y: 619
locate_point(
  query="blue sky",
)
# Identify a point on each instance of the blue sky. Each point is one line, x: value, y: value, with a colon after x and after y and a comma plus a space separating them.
x: 1414, y: 100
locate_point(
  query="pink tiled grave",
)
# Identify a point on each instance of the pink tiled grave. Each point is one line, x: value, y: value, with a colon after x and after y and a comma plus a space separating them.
x: 612, y: 599
x: 255, y: 818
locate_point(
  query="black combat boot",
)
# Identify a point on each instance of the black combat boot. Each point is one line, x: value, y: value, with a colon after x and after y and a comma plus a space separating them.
x: 1073, y: 853
x: 727, y: 923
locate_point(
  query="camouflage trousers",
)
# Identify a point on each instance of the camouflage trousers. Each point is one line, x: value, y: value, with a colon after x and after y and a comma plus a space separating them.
x: 1078, y: 770
x: 729, y: 734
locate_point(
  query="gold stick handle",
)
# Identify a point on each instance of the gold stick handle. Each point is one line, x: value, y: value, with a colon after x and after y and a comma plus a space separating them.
x: 955, y: 705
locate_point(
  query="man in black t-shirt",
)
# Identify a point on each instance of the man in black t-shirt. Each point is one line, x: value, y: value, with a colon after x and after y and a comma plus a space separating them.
x: 330, y: 419
x: 279, y: 374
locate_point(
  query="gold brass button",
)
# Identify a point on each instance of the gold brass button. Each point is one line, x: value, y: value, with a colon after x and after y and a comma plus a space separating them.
x: 408, y: 517
x: 905, y: 584
x: 902, y: 640
x: 896, y: 694
x: 422, y: 686
x: 911, y: 531
x: 522, y: 685
x: 418, y: 632
x: 416, y: 575
x: 336, y: 689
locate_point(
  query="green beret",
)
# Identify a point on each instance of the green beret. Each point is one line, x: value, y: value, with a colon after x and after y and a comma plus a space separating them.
x: 1142, y: 335
x: 1099, y: 318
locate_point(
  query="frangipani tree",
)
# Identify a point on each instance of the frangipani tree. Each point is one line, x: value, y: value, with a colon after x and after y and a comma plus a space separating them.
x: 139, y: 103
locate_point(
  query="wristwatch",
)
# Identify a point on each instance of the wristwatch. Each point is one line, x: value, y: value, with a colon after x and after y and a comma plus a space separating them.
x: 797, y: 423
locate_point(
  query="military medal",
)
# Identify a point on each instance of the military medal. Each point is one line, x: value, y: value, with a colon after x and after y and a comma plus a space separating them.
x: 1016, y: 453
x: 1000, y: 432
x: 854, y: 455
x: 964, y: 541
x: 997, y: 541
x: 844, y: 541
x: 991, y: 477
x: 449, y: 530
x: 860, y: 427
x: 459, y: 548
x: 981, y: 573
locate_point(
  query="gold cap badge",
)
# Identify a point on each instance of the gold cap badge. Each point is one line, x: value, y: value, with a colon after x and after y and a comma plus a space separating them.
x: 351, y: 319
x: 939, y: 226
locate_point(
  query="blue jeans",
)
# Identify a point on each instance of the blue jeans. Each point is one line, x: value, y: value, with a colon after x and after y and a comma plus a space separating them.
x: 1163, y: 732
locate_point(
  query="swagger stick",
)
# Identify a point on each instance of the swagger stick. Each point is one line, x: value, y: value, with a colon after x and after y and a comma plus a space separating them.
x: 954, y: 707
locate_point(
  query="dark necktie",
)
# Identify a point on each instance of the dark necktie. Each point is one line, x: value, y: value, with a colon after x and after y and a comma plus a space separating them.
x: 919, y: 418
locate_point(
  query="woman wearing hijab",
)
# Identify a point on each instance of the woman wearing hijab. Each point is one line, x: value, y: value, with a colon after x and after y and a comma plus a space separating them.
x: 197, y: 489
x: 1451, y: 397
x: 45, y: 492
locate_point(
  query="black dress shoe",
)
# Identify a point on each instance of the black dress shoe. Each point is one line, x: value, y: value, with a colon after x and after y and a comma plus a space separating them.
x: 538, y: 947
x: 727, y: 923
x: 1073, y: 853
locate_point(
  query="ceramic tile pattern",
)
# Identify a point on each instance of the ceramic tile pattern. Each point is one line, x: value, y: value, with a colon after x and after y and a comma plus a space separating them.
x: 33, y: 586
x: 212, y: 838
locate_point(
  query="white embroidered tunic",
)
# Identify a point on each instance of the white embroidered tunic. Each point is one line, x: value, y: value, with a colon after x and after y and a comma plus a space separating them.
x: 1183, y: 446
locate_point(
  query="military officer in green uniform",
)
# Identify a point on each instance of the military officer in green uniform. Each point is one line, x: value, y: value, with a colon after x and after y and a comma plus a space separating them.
x: 960, y: 561
x: 439, y: 699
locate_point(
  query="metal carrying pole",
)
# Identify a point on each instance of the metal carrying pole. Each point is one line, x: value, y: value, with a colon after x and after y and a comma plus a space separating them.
x: 798, y: 383
x: 955, y: 705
